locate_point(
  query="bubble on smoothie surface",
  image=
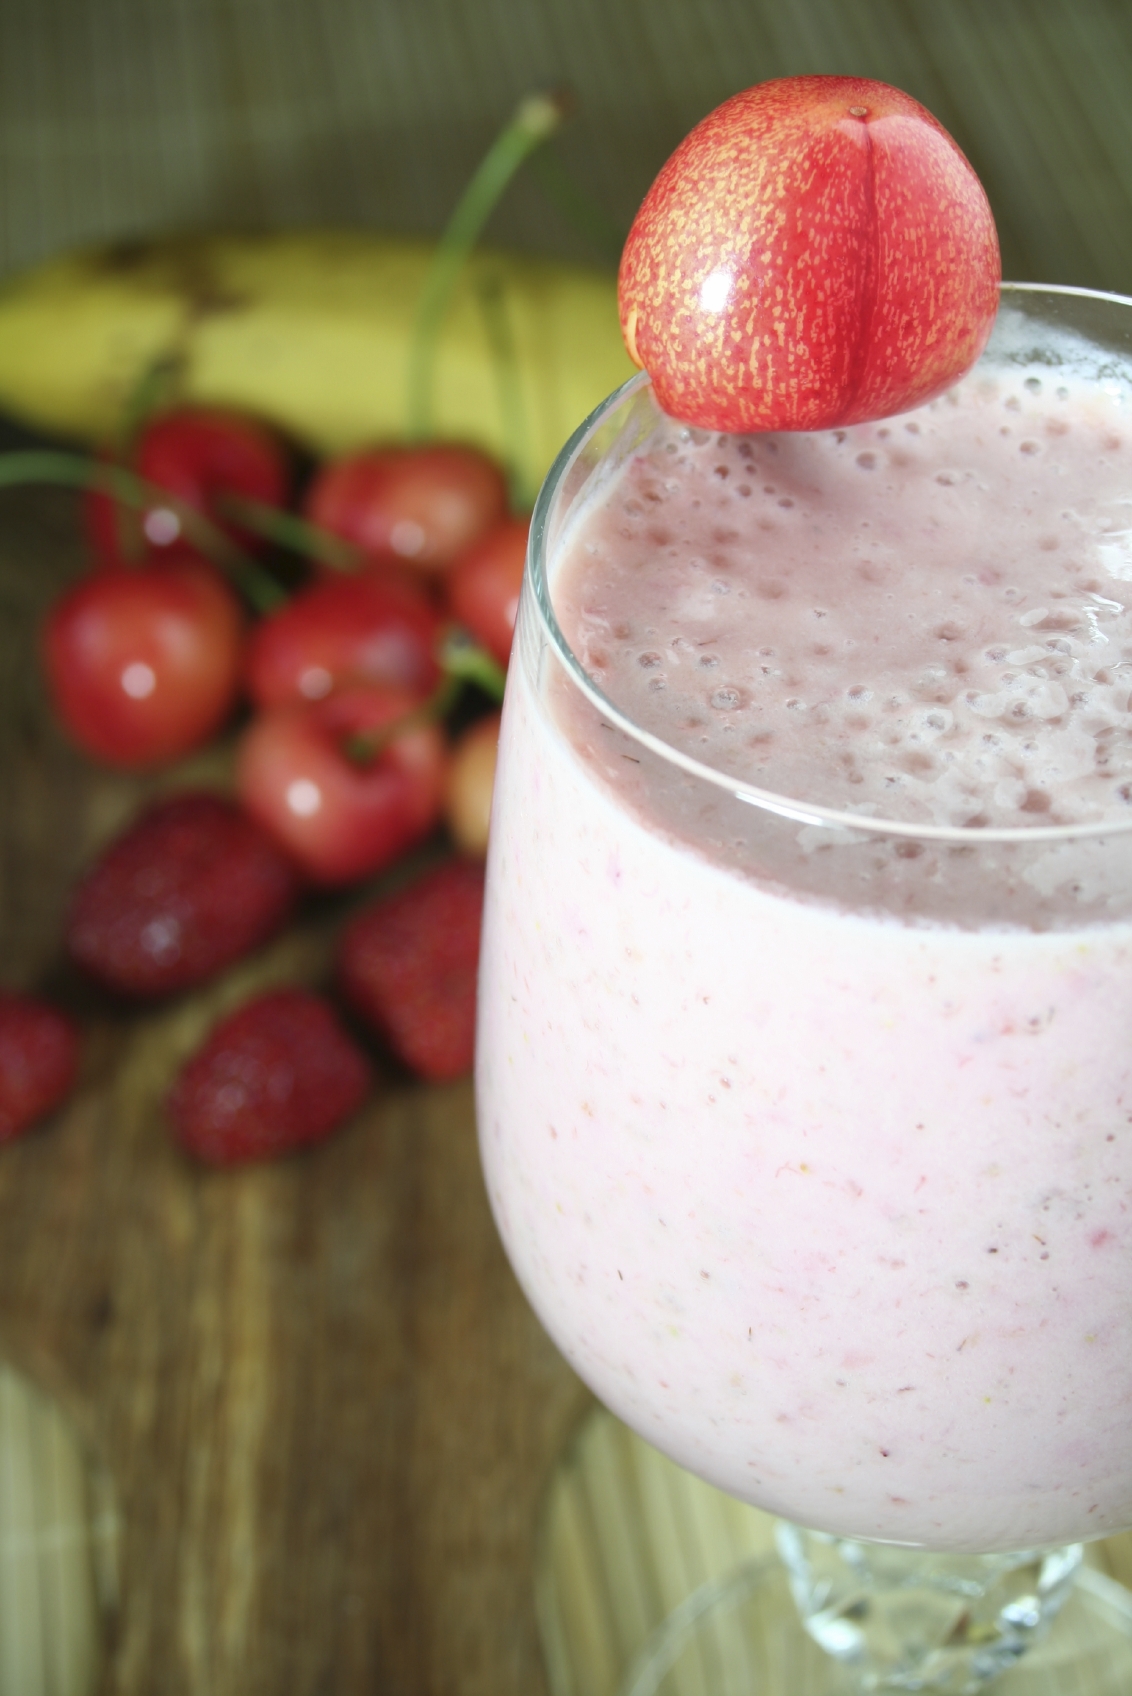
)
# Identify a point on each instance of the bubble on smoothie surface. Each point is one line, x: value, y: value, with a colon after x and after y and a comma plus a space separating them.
x: 927, y: 619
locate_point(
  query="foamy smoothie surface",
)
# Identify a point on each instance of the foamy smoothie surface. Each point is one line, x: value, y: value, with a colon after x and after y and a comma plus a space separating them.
x: 926, y: 619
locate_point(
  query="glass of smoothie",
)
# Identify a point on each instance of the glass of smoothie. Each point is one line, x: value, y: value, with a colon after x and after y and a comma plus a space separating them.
x: 804, y: 1074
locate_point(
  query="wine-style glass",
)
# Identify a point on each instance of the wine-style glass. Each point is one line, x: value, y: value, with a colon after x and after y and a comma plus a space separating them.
x: 808, y: 1130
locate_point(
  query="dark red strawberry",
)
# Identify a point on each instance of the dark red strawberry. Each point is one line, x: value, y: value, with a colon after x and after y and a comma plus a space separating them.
x: 277, y: 1074
x: 190, y: 887
x: 408, y: 966
x: 39, y: 1056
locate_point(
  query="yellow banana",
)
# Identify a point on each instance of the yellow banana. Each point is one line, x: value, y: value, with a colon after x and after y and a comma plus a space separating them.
x: 311, y: 330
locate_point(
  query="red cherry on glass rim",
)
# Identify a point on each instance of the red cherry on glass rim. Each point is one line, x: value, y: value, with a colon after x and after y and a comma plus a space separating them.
x: 483, y: 586
x: 342, y: 818
x: 278, y: 1074
x: 199, y: 454
x: 412, y: 506
x: 39, y: 1057
x: 372, y: 628
x: 190, y: 887
x: 816, y: 252
x: 407, y: 965
x: 143, y: 665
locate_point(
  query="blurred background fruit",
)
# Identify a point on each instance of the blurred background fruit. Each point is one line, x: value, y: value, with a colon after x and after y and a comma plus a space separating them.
x: 189, y: 887
x: 144, y: 665
x: 468, y: 785
x: 311, y: 330
x: 39, y: 1057
x: 279, y: 1073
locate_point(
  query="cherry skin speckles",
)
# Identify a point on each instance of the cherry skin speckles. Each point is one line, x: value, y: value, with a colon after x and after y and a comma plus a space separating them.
x: 816, y: 252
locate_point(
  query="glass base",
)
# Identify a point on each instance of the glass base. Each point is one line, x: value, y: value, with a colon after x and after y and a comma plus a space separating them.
x: 647, y: 1579
x: 741, y: 1636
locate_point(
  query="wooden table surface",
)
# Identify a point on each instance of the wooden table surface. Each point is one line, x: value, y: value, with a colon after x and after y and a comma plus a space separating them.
x: 326, y: 1409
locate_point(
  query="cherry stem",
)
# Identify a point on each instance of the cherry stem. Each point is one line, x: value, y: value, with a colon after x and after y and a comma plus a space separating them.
x: 535, y: 119
x: 587, y: 217
x: 157, y: 385
x: 366, y: 746
x: 462, y: 661
x: 72, y: 470
x: 497, y: 323
x: 292, y: 532
x: 462, y: 658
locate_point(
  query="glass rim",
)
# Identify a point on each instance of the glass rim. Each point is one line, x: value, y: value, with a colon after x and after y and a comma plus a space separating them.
x: 766, y: 800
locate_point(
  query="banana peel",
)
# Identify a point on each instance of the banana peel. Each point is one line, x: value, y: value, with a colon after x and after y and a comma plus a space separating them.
x: 311, y: 331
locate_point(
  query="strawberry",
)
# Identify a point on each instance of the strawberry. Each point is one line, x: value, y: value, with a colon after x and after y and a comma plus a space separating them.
x: 191, y: 886
x: 39, y: 1056
x: 408, y: 967
x: 279, y: 1073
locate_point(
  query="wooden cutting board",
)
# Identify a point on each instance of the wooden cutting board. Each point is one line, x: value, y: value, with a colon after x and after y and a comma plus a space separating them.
x: 325, y: 1409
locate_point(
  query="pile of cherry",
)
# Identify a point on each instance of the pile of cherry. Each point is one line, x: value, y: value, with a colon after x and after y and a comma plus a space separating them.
x: 345, y: 762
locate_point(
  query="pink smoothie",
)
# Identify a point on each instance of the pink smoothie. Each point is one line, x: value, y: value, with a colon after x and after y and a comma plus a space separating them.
x: 812, y: 1147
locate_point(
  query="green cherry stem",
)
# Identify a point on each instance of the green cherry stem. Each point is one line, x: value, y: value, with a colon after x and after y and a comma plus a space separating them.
x: 536, y: 118
x: 460, y: 657
x: 462, y: 661
x: 369, y: 745
x: 72, y: 470
x: 497, y: 323
x: 291, y: 532
x: 588, y: 218
x: 157, y: 386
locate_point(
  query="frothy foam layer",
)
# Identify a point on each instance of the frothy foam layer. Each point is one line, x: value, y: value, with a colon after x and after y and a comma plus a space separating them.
x: 927, y: 619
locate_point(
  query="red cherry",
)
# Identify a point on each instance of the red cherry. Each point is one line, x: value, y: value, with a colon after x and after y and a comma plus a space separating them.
x: 483, y: 586
x: 200, y: 454
x: 39, y: 1056
x: 817, y: 252
x: 342, y: 819
x: 144, y: 665
x: 415, y: 506
x: 373, y: 628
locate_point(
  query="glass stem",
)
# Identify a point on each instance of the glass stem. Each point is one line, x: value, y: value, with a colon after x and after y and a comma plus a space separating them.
x: 914, y: 1619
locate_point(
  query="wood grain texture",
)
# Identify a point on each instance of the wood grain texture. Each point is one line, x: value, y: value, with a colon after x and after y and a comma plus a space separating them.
x: 326, y: 1409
